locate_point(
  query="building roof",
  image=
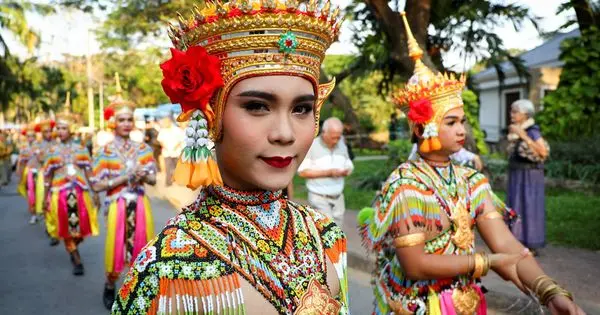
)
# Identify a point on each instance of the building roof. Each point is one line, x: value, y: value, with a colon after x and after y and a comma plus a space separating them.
x: 545, y: 55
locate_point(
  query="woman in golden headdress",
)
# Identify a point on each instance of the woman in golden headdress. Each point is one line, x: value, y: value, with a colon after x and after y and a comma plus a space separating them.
x: 422, y: 227
x: 121, y: 168
x: 68, y: 169
x: 246, y: 74
x: 27, y: 173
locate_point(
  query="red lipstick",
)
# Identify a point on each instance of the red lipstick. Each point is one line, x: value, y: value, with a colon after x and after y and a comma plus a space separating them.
x: 278, y: 161
x: 461, y: 142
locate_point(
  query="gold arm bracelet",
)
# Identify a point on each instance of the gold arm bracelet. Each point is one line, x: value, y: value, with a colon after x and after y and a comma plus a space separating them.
x: 479, y: 266
x: 409, y: 240
x: 487, y: 265
x: 539, y: 281
x: 491, y: 216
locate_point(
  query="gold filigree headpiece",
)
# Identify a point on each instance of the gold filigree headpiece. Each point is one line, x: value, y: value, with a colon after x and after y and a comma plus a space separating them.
x: 223, y: 43
x: 427, y: 96
x: 267, y: 37
x: 65, y: 117
x: 118, y: 105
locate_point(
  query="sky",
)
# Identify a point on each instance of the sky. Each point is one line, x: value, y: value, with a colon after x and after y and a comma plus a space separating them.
x: 67, y: 32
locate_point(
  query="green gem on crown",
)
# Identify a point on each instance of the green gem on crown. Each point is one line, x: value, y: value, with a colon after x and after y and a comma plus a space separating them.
x: 288, y: 42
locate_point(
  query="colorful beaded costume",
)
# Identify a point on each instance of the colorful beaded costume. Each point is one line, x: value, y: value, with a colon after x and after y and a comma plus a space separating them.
x: 439, y: 204
x: 415, y: 195
x: 197, y: 263
x: 129, y: 217
x: 229, y: 244
x: 71, y: 208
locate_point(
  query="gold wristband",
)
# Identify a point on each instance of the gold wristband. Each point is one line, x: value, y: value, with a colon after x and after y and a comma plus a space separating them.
x: 471, y: 267
x: 409, y: 240
x: 479, y: 266
x: 486, y: 266
x: 491, y: 216
x: 539, y: 281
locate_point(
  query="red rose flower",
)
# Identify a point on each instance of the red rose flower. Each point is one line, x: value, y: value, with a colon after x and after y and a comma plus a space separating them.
x: 108, y: 113
x: 420, y: 111
x: 37, y: 128
x: 52, y: 124
x: 191, y: 78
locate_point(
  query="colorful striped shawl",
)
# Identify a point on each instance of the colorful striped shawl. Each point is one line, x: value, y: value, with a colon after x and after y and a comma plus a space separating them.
x: 108, y: 163
x: 56, y: 164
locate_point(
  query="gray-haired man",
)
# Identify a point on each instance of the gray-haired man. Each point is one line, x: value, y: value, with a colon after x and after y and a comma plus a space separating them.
x: 325, y: 167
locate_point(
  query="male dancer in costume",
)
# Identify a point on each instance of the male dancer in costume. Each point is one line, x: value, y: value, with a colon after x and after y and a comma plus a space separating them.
x: 242, y: 247
x: 27, y: 171
x: 68, y: 169
x: 121, y: 168
x: 422, y: 227
x: 41, y: 150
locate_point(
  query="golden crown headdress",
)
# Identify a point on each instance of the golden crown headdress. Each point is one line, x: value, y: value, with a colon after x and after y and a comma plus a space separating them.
x: 65, y: 117
x: 45, y: 124
x: 221, y: 44
x: 118, y: 104
x: 427, y: 96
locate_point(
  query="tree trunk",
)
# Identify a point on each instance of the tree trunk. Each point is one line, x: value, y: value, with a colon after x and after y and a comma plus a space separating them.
x: 585, y: 14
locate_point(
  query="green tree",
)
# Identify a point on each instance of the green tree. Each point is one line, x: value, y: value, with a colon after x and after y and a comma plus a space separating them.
x: 13, y: 20
x: 573, y: 109
x: 438, y: 25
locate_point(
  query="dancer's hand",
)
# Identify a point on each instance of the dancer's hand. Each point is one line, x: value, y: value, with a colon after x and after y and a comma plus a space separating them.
x: 562, y: 305
x: 510, y: 274
x: 507, y: 260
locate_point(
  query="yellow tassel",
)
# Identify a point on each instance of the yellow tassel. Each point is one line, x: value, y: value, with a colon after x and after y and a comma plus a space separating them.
x: 425, y: 146
x: 436, y: 145
x: 433, y: 303
x: 201, y: 175
x: 215, y: 174
x: 183, y: 173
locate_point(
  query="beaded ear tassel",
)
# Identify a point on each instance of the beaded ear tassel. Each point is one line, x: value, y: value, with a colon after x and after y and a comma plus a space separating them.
x: 197, y: 167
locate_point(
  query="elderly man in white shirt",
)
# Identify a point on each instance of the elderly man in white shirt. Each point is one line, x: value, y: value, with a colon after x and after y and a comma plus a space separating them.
x: 325, y: 167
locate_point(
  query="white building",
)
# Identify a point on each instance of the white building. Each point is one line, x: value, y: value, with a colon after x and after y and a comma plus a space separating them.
x: 544, y: 67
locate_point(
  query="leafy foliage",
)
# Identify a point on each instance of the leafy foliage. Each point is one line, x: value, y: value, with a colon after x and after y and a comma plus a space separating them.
x: 13, y: 20
x: 472, y: 113
x: 572, y: 111
x: 369, y: 105
x: 465, y: 26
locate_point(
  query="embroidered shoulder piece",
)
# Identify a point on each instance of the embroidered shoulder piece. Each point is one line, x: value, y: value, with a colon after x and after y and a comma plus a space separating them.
x: 176, y: 272
x: 404, y: 200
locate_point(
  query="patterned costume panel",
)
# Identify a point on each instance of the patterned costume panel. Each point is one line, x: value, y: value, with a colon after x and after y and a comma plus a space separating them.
x: 72, y: 213
x: 129, y: 215
x: 414, y: 198
x: 117, y: 157
x: 278, y: 246
x: 67, y: 161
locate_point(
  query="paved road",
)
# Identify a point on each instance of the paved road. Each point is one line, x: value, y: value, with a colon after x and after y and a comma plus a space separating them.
x: 37, y: 279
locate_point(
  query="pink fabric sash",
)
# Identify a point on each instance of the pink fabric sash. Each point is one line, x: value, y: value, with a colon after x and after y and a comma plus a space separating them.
x: 31, y: 190
x: 447, y: 305
x: 84, y: 219
x: 140, y: 228
x: 120, y: 237
x: 483, y: 303
x: 63, y: 216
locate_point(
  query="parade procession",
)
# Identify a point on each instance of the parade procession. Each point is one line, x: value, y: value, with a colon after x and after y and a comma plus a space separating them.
x: 334, y: 157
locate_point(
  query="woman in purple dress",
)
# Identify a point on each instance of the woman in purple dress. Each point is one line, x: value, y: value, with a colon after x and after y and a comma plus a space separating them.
x: 527, y: 152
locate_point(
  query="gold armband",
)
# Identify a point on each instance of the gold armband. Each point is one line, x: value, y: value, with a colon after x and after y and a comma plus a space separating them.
x: 482, y: 265
x: 547, y: 288
x: 491, y: 216
x: 409, y: 240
